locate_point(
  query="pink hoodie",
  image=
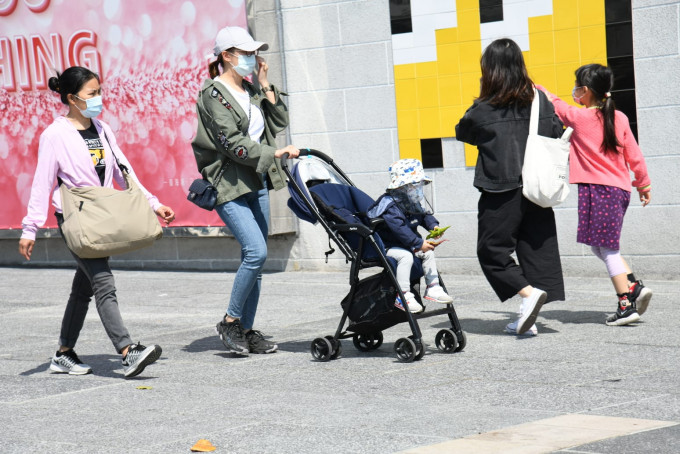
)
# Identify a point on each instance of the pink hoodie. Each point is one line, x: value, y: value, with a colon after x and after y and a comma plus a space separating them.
x: 63, y: 153
x: 587, y: 162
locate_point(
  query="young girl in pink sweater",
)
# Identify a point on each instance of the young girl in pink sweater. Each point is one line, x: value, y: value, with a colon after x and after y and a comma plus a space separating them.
x: 603, y: 149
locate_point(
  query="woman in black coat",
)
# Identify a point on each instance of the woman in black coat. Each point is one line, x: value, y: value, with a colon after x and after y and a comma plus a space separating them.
x: 498, y: 124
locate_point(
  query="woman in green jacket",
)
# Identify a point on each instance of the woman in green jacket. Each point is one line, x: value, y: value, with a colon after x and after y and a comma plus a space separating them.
x: 235, y: 147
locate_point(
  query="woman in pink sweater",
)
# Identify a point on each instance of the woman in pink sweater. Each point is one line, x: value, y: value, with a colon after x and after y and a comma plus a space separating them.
x: 79, y: 150
x: 603, y: 152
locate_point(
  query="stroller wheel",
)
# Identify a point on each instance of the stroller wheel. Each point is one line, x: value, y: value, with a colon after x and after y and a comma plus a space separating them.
x: 322, y: 349
x: 462, y: 341
x: 420, y: 347
x: 367, y: 342
x: 405, y: 349
x: 337, y: 346
x: 446, y: 341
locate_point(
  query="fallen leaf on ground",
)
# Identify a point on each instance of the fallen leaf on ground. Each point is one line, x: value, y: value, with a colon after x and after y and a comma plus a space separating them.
x: 203, y: 445
x: 144, y: 387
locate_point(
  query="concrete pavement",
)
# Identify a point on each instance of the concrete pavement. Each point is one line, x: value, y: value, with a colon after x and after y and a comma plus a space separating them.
x: 557, y: 392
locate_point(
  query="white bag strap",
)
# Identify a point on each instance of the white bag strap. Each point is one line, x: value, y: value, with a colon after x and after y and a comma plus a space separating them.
x: 567, y: 134
x: 533, y: 119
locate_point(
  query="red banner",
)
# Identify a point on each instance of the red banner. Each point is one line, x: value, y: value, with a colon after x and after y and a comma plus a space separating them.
x: 151, y: 57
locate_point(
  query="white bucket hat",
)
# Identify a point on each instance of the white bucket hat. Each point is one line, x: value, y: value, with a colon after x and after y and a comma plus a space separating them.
x: 407, y: 171
x: 236, y: 37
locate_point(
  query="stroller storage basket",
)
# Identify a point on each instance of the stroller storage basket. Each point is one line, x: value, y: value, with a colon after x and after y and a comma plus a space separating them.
x: 322, y: 193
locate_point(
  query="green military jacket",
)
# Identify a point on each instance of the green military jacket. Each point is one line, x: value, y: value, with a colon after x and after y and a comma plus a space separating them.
x: 222, y: 139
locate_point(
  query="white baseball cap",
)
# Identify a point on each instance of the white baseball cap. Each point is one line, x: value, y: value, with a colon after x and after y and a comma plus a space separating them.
x: 236, y: 37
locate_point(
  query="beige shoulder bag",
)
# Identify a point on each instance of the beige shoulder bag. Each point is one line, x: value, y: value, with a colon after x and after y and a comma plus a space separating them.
x: 99, y: 222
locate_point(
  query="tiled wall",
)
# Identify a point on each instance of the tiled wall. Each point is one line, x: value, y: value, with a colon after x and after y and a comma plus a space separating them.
x: 436, y: 64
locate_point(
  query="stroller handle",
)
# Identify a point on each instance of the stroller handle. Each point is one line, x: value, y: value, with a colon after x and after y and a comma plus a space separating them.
x: 306, y: 152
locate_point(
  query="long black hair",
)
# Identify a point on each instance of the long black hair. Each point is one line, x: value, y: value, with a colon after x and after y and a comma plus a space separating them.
x: 71, y: 81
x: 505, y: 80
x: 600, y: 80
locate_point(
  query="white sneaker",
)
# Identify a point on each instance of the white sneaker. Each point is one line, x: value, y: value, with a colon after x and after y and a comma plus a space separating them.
x: 511, y: 328
x: 437, y: 294
x: 69, y: 363
x: 529, y: 309
x: 413, y: 305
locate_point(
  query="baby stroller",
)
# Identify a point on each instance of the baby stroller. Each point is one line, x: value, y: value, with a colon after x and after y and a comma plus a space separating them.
x: 321, y: 192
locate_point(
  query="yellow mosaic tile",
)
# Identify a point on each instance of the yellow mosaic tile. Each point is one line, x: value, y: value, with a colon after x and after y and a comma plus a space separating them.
x: 542, y: 49
x: 540, y: 24
x: 405, y: 90
x: 427, y: 89
x: 448, y: 58
x: 468, y: 25
x: 407, y: 124
x: 446, y: 35
x: 449, y: 91
x: 591, y: 13
x: 593, y: 45
x: 429, y: 124
x: 409, y: 149
x: 567, y: 46
x: 426, y: 69
x: 404, y: 72
x: 565, y: 14
x: 544, y: 75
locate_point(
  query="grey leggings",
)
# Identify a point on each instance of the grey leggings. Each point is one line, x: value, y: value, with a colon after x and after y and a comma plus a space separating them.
x: 93, y: 278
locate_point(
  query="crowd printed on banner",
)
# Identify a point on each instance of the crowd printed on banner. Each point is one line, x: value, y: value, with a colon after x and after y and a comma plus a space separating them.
x: 29, y: 62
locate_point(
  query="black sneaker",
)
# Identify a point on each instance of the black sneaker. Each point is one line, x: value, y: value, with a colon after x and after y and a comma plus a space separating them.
x: 138, y: 357
x: 623, y: 316
x: 640, y: 296
x: 258, y: 344
x: 68, y: 362
x: 232, y: 336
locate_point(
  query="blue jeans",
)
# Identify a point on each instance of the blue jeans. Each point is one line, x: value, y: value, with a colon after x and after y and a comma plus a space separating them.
x: 248, y: 219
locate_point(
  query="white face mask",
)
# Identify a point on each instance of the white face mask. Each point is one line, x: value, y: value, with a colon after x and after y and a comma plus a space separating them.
x: 94, y: 106
x: 576, y: 99
x: 246, y: 65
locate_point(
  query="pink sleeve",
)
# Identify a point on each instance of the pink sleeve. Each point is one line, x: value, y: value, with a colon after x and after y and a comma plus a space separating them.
x: 44, y: 180
x: 632, y: 154
x: 566, y: 112
x: 118, y: 175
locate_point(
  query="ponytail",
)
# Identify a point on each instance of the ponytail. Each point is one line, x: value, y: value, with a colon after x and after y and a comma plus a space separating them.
x: 600, y: 80
x: 214, y: 67
x: 608, y: 110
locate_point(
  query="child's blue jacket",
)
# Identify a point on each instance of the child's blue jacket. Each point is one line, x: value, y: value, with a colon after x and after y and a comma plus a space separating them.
x: 400, y: 229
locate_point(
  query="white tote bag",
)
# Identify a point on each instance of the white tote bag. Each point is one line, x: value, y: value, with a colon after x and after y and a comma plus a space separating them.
x: 545, y: 171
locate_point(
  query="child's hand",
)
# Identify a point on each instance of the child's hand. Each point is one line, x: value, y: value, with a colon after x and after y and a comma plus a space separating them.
x: 427, y: 246
x: 645, y: 198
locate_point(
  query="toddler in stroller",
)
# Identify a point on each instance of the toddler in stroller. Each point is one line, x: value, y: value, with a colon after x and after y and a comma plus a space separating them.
x: 322, y: 194
x: 404, y: 208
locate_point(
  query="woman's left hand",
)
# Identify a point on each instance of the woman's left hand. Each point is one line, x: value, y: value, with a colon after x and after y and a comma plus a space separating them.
x: 262, y: 69
x: 166, y: 214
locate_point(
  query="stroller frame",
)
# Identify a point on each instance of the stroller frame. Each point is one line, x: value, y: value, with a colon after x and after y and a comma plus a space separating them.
x: 407, y: 349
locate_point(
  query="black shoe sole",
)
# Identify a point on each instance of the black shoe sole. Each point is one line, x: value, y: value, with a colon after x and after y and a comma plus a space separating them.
x: 632, y: 318
x: 150, y: 358
x: 230, y: 349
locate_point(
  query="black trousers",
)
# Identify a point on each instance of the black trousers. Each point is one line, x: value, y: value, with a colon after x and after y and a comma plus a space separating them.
x: 507, y: 223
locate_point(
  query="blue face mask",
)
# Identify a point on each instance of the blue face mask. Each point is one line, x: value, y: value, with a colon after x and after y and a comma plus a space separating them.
x: 246, y: 65
x: 94, y: 106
